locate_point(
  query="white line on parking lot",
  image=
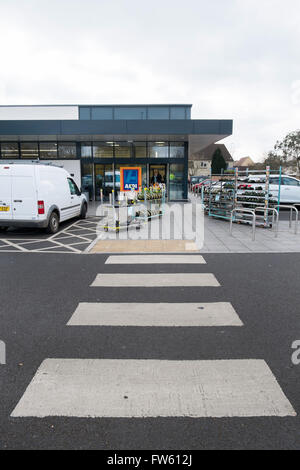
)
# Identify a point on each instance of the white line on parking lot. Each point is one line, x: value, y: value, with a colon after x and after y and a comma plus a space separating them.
x: 163, y: 314
x: 140, y: 388
x: 16, y: 246
x: 156, y: 259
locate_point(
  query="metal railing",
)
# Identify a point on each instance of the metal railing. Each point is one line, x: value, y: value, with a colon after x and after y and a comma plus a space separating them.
x: 275, y: 212
x: 292, y: 208
x: 249, y: 211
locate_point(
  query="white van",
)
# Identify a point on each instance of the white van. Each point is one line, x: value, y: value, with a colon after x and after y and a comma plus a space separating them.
x: 38, y: 195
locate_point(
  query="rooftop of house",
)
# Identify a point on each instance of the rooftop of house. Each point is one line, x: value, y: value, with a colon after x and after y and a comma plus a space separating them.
x: 207, y: 153
x: 244, y: 162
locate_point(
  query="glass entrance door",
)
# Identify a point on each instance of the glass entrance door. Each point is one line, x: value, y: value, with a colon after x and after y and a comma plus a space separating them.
x: 158, y: 174
x: 104, y: 180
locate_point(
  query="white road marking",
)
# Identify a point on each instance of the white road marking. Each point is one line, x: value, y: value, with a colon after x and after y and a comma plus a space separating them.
x: 30, y: 241
x: 160, y: 315
x: 139, y: 388
x: 156, y: 259
x: 16, y: 246
x: 156, y: 280
x: 62, y: 231
x: 56, y: 239
x: 65, y: 246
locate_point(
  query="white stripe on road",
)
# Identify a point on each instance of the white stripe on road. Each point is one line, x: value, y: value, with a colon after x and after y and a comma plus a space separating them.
x: 161, y: 315
x: 156, y: 280
x: 139, y: 389
x: 156, y: 259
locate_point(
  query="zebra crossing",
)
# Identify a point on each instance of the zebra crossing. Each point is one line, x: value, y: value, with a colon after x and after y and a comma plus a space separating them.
x: 155, y: 315
x: 138, y: 388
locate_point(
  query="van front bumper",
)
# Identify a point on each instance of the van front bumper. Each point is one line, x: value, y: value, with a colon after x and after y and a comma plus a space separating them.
x: 24, y: 223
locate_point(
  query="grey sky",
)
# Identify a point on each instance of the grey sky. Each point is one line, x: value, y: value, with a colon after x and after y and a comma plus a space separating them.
x: 231, y: 58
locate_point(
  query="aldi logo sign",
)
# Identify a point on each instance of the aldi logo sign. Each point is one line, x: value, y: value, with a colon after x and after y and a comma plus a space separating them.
x: 130, y: 178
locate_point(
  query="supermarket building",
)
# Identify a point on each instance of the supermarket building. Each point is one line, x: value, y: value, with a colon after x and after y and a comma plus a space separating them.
x: 93, y: 142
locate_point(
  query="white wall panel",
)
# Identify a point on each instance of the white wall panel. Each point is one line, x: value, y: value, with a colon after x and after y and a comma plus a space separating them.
x: 11, y: 113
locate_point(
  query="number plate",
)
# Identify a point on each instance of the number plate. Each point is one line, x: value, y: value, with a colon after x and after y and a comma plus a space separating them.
x: 4, y: 208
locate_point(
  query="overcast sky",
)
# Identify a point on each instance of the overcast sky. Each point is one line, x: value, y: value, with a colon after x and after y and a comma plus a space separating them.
x: 236, y: 59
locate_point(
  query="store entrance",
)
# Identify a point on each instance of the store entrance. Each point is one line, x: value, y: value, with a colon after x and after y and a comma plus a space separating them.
x: 158, y: 174
x: 104, y: 181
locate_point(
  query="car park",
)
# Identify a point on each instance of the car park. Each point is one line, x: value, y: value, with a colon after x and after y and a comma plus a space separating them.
x: 38, y: 195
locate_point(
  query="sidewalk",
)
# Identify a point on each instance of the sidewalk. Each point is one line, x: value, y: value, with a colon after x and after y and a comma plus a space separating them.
x: 217, y: 238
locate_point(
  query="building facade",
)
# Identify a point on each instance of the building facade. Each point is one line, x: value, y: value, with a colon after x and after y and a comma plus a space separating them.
x: 93, y: 142
x: 200, y: 162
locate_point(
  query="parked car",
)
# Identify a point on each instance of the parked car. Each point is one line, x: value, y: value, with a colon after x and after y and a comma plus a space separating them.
x: 197, y: 187
x: 197, y: 179
x: 38, y: 195
x: 289, y: 189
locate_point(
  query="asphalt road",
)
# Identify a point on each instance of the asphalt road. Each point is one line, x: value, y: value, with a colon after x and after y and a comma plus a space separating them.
x: 39, y: 293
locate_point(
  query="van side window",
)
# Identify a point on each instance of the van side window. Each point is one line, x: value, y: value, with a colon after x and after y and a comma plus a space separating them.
x: 72, y: 187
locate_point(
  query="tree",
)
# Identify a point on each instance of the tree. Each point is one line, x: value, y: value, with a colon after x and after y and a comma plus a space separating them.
x: 218, y: 162
x: 288, y: 150
x: 274, y: 161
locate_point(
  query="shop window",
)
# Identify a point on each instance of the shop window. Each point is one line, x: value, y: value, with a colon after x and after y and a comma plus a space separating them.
x: 123, y: 149
x: 48, y: 150
x: 29, y: 150
x: 86, y: 150
x: 176, y: 150
x: 158, y: 150
x: 103, y: 150
x: 176, y: 181
x: 9, y: 150
x: 87, y: 185
x: 67, y: 150
x: 140, y: 149
x: 158, y: 174
x: 103, y: 181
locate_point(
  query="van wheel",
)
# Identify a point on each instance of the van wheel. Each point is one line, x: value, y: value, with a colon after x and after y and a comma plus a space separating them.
x: 83, y: 212
x: 3, y: 229
x: 53, y: 223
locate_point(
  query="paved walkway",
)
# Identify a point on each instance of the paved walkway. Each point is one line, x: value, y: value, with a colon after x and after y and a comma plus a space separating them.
x: 217, y: 238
